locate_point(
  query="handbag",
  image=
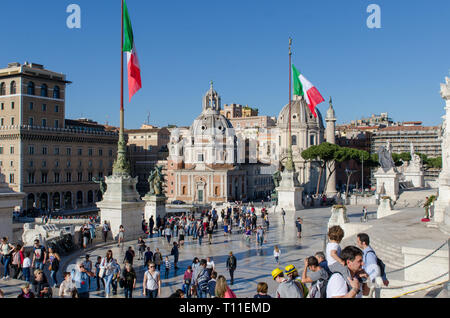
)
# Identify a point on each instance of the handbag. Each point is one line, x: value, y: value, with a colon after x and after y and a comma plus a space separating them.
x: 101, y: 273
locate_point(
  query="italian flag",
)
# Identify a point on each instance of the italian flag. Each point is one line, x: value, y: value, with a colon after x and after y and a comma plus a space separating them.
x: 303, y: 87
x: 134, y: 70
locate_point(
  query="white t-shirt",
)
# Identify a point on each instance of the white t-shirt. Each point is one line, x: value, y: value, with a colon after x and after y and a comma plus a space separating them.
x: 337, y: 286
x: 152, y: 280
x: 276, y: 254
x: 26, y: 262
x: 332, y: 247
x: 210, y: 265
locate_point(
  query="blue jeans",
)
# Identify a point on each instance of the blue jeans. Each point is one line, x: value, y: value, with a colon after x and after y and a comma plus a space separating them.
x: 202, y: 294
x: 200, y: 240
x: 186, y: 289
x: 151, y: 293
x: 5, y: 262
x: 53, y: 280
x: 128, y: 292
x: 26, y: 274
x: 108, y: 281
x: 169, y: 237
x: 38, y: 265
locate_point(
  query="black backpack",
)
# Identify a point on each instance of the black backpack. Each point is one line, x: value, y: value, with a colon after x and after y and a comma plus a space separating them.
x: 380, y: 264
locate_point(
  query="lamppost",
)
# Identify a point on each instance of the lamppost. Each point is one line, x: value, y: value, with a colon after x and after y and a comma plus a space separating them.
x: 349, y: 173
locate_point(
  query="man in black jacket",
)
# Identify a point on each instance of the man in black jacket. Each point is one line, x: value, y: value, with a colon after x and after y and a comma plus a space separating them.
x: 231, y: 266
x: 175, y: 254
x: 151, y: 224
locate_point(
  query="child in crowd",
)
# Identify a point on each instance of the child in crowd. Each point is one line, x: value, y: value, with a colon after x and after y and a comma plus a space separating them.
x: 333, y: 251
x: 167, y: 263
x: 276, y: 254
x: 26, y: 267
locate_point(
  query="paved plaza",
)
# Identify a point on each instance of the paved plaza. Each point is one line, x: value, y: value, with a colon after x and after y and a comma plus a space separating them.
x: 253, y: 264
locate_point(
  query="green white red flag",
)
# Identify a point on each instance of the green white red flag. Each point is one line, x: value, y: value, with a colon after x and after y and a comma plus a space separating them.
x: 134, y: 69
x: 303, y: 87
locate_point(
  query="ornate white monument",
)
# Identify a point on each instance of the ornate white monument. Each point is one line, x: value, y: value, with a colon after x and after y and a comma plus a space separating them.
x: 9, y: 199
x: 387, y: 175
x: 121, y: 205
x: 414, y: 170
x: 442, y: 206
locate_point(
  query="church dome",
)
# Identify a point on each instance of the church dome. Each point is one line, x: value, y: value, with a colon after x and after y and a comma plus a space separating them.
x: 302, y: 116
x: 211, y: 121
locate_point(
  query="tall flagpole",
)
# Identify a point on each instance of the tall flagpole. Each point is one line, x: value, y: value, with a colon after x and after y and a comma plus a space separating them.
x: 121, y: 166
x: 290, y: 163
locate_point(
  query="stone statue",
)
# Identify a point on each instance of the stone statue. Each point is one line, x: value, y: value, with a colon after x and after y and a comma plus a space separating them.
x: 156, y: 182
x: 102, y: 184
x: 277, y: 178
x: 385, y: 157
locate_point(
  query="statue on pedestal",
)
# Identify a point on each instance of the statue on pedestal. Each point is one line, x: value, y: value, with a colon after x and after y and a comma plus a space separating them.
x: 385, y: 157
x: 156, y: 182
x: 102, y: 184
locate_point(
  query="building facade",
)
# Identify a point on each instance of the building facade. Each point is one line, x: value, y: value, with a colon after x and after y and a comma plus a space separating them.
x: 52, y: 159
x: 208, y: 162
x: 146, y: 146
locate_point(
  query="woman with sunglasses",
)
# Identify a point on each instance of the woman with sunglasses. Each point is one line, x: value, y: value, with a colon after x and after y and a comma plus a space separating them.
x: 151, y: 287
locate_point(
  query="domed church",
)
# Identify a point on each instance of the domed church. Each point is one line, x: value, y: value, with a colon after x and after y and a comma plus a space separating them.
x: 203, y: 164
x: 307, y: 131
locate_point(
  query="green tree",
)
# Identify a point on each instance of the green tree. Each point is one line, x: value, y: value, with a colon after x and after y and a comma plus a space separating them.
x: 327, y: 155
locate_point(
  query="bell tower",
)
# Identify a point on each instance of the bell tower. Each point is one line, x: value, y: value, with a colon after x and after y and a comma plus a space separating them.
x: 211, y: 100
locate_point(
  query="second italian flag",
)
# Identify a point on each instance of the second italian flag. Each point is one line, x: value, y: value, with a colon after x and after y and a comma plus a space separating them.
x: 134, y: 70
x: 303, y: 87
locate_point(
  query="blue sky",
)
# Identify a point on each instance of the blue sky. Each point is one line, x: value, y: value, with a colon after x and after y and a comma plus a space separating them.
x: 242, y: 46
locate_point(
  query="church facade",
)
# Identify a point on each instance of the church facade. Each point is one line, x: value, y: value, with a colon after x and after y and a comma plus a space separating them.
x: 208, y: 162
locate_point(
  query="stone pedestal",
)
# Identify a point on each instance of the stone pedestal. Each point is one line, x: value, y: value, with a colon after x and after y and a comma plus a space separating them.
x: 416, y: 177
x: 390, y: 181
x: 154, y: 206
x: 289, y: 193
x: 385, y: 208
x: 338, y: 216
x: 121, y: 205
x: 9, y: 199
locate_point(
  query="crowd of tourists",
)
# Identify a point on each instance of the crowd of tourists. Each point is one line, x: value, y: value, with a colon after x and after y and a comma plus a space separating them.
x: 351, y: 272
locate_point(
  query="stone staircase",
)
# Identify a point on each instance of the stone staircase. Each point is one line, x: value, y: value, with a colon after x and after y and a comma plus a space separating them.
x: 390, y: 254
x: 413, y: 198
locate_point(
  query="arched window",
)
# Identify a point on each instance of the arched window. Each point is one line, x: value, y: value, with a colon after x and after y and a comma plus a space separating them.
x: 30, y: 88
x: 2, y: 89
x: 216, y: 191
x: 44, y: 90
x: 13, y: 88
x: 56, y: 93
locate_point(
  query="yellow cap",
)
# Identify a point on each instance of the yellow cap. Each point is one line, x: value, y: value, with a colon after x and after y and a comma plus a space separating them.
x: 290, y: 269
x: 276, y: 272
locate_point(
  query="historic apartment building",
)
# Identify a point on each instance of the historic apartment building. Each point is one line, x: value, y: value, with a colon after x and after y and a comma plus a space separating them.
x: 146, y: 146
x: 50, y: 158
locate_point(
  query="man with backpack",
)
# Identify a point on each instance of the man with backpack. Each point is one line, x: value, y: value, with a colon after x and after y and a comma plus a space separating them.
x: 372, y: 265
x: 287, y: 288
x: 318, y: 277
x: 348, y: 282
x: 292, y: 274
x: 202, y: 280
